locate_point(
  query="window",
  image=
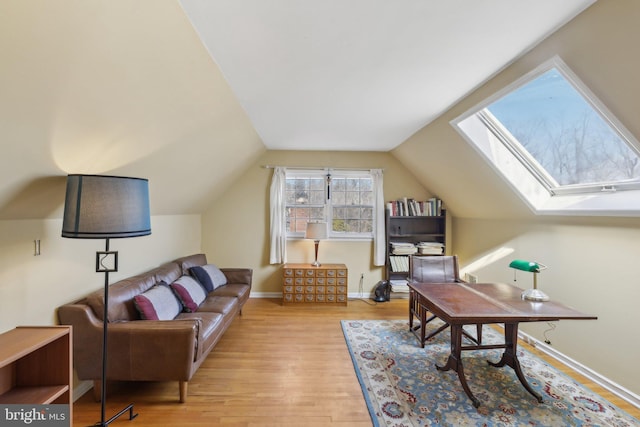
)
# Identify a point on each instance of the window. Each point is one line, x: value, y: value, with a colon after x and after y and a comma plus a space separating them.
x: 344, y: 199
x: 555, y: 142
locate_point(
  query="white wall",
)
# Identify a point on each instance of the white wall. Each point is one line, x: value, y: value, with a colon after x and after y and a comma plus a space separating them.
x: 592, y: 266
x: 32, y: 287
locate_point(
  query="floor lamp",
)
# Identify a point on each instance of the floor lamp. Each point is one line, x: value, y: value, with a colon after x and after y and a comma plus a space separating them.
x: 106, y: 207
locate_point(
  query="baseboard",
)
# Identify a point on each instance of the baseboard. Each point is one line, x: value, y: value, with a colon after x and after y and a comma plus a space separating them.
x: 352, y: 295
x: 81, y: 389
x: 602, y: 381
x: 265, y: 294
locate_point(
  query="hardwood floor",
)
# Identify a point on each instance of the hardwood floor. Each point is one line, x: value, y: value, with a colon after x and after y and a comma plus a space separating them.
x: 275, y: 366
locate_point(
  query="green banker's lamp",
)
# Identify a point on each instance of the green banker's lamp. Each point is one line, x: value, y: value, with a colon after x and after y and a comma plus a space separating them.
x: 534, y: 294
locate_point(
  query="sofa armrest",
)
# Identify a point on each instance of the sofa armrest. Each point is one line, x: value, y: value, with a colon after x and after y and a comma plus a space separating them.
x: 87, y: 338
x: 152, y: 349
x: 239, y: 276
x: 140, y: 349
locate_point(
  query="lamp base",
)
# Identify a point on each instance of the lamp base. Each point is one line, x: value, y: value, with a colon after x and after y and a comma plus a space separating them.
x: 110, y: 420
x: 534, y: 295
x: 316, y: 263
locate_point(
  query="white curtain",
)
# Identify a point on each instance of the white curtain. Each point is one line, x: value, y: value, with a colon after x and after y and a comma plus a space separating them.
x: 379, y: 249
x: 278, y: 230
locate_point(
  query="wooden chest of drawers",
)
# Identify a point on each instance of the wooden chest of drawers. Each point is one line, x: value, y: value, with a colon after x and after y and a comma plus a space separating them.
x: 306, y: 284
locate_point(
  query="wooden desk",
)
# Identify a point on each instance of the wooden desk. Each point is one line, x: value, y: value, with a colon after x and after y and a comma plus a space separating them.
x: 460, y: 304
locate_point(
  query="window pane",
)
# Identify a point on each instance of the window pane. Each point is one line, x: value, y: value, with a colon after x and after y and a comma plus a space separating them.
x: 301, y: 191
x: 366, y: 198
x: 300, y: 224
x: 565, y: 135
x: 297, y: 197
x: 352, y: 198
x: 339, y: 212
x: 316, y: 214
x: 337, y: 198
x: 367, y: 213
x: 316, y: 197
x: 353, y: 213
x: 350, y: 207
x: 352, y: 184
x: 297, y: 219
x: 316, y: 184
x: 337, y: 184
x: 352, y: 226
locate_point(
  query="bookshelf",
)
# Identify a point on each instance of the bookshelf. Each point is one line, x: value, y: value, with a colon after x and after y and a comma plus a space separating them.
x: 406, y: 232
x: 35, y: 365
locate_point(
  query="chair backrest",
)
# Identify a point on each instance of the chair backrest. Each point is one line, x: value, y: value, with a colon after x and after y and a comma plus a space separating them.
x: 434, y: 269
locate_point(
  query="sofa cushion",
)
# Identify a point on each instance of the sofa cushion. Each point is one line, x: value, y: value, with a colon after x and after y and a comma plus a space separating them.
x: 189, y: 292
x: 157, y: 303
x: 229, y: 307
x: 209, y: 333
x: 121, y: 294
x: 167, y: 272
x: 209, y: 276
x: 189, y: 261
x: 233, y: 290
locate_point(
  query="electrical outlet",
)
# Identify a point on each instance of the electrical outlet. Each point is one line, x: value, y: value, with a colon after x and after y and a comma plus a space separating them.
x: 472, y: 278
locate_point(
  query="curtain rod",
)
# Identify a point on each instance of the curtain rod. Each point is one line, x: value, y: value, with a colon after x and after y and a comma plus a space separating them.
x: 319, y: 167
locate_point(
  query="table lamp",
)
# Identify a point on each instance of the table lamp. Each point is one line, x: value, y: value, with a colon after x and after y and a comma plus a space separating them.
x: 316, y: 231
x: 533, y: 267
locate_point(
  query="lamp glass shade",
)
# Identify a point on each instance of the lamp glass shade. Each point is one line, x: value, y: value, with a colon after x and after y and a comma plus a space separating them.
x: 530, y: 266
x: 316, y: 231
x: 101, y: 206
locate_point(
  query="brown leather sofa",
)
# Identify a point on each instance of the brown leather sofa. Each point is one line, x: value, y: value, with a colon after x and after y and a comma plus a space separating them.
x: 152, y: 350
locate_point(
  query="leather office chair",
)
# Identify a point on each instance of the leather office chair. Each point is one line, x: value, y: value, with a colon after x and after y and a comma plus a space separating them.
x: 432, y: 269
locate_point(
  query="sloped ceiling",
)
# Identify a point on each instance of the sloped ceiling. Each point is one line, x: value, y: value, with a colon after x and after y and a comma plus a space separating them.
x: 363, y: 74
x: 189, y: 94
x: 113, y: 87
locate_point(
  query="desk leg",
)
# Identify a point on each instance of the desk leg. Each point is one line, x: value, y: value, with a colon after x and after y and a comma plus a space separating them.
x: 455, y: 361
x: 416, y: 309
x: 411, y: 307
x: 510, y: 357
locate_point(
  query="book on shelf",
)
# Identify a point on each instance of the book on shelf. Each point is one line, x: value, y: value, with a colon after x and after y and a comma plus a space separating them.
x: 399, y: 286
x: 430, y: 248
x: 399, y: 264
x: 411, y: 207
x: 402, y: 248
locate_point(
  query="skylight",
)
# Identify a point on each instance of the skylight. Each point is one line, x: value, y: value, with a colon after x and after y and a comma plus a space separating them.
x: 556, y: 143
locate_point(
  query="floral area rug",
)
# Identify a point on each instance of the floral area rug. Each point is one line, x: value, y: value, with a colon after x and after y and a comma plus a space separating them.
x: 402, y: 386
